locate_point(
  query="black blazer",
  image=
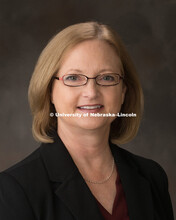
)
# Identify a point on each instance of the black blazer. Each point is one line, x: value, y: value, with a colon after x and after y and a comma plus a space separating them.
x: 48, y: 186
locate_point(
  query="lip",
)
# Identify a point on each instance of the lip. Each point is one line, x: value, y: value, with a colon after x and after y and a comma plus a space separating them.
x: 90, y: 110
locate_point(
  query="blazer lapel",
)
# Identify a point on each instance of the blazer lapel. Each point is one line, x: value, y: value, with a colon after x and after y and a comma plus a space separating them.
x: 70, y: 186
x: 77, y: 196
x: 136, y: 188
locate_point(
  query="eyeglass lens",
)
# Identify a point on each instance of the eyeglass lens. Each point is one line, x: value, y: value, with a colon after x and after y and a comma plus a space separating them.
x: 104, y: 79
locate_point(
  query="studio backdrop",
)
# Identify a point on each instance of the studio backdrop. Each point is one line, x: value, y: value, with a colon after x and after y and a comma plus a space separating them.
x: 148, y: 30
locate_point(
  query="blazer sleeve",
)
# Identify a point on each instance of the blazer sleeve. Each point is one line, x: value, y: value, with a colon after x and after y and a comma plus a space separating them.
x: 166, y: 198
x: 13, y: 202
x: 160, y: 180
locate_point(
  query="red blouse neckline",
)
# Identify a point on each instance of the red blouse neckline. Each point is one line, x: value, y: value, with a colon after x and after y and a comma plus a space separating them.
x: 120, y: 210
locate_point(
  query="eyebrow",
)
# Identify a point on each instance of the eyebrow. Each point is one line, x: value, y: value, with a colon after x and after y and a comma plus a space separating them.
x: 100, y: 71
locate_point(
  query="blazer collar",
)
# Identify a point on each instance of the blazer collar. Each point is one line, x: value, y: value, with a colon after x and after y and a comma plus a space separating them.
x: 74, y: 192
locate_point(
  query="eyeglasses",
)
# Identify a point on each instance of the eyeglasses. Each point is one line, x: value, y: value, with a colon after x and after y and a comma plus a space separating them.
x: 75, y: 80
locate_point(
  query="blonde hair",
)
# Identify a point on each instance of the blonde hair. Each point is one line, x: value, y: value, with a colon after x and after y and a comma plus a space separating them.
x: 123, y: 129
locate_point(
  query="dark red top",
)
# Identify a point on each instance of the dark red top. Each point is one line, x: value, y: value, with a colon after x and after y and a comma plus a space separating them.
x: 120, y: 210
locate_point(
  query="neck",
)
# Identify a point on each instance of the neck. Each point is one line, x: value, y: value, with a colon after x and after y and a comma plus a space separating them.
x: 88, y: 148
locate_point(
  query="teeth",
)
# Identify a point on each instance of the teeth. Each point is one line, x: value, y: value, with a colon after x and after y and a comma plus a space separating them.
x: 90, y: 107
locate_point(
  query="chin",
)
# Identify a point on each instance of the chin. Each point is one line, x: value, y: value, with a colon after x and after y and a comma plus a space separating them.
x: 93, y: 123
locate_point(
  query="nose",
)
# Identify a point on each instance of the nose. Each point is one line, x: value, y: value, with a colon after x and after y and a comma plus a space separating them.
x: 90, y: 90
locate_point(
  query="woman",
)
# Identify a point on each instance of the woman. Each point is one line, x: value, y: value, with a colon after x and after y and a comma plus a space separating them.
x: 78, y: 173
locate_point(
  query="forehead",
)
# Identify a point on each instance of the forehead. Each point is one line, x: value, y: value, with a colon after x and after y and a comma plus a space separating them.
x: 91, y: 55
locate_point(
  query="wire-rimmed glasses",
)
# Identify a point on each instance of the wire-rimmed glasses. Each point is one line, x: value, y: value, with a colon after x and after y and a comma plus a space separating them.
x: 75, y: 80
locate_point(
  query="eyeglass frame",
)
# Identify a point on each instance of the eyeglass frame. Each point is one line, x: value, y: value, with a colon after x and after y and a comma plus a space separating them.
x: 61, y: 78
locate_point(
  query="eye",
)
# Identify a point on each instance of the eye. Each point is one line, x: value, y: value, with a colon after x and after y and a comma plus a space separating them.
x: 108, y: 77
x: 72, y: 77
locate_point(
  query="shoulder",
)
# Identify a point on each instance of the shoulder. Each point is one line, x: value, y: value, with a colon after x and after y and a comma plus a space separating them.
x: 14, y: 202
x: 29, y: 175
x: 25, y: 166
x: 21, y: 187
x: 142, y: 163
x: 147, y: 168
x: 149, y: 172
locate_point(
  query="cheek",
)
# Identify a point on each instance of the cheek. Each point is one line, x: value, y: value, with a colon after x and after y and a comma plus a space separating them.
x: 115, y: 99
x: 64, y: 99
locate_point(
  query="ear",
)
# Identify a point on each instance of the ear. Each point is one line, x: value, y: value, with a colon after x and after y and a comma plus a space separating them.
x: 124, y: 88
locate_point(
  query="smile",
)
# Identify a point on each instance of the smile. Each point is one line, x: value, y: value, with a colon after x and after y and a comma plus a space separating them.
x: 91, y: 107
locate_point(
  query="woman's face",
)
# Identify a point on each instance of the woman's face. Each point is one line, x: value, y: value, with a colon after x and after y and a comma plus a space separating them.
x: 91, y: 58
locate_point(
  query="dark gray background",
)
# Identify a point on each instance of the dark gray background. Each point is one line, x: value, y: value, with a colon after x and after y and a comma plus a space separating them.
x: 148, y: 28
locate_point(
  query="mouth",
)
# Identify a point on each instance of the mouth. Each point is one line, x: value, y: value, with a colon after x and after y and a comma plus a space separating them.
x: 90, y: 108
